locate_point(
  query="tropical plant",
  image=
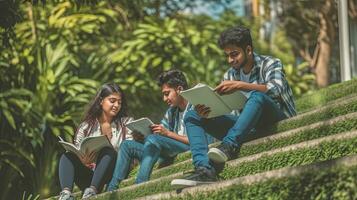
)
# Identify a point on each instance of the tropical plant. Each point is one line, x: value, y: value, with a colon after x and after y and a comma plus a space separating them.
x: 44, y: 95
x: 299, y: 78
x: 160, y: 45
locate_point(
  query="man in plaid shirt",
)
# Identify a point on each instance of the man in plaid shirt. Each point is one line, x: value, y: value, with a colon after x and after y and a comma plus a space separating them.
x: 269, y: 100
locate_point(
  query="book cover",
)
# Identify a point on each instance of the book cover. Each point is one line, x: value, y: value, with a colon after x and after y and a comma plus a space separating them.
x: 219, y: 104
x: 141, y: 125
x: 88, y: 145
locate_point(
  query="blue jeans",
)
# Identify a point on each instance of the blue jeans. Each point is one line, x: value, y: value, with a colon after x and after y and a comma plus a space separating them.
x: 259, y: 112
x: 147, y: 153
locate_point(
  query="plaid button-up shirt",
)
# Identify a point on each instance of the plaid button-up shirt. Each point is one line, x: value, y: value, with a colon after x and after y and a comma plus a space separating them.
x: 269, y: 71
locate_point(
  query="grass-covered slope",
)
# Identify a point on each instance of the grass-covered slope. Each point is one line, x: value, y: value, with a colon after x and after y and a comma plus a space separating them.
x: 333, y: 179
x: 325, y: 95
x: 331, y: 147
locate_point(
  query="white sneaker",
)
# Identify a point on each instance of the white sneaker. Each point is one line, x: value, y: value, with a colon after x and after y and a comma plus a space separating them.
x: 217, y: 155
x: 66, y: 195
x: 88, y: 192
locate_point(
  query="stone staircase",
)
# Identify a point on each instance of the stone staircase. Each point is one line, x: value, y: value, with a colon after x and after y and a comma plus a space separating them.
x: 310, y: 156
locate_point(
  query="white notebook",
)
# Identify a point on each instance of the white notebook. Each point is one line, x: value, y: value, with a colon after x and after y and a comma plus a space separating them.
x: 219, y: 104
x: 141, y: 125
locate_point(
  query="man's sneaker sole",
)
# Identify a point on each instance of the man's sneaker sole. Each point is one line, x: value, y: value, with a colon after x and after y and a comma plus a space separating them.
x: 217, y: 155
x: 183, y: 183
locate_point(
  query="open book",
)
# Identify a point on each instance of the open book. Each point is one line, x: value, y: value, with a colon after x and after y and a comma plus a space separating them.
x: 141, y: 125
x: 88, y: 145
x: 219, y: 104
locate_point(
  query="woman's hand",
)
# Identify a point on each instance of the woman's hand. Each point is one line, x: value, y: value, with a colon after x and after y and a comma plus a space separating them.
x: 159, y: 129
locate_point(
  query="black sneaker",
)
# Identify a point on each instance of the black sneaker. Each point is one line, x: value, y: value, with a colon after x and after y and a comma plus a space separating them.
x: 200, y: 176
x: 223, y: 153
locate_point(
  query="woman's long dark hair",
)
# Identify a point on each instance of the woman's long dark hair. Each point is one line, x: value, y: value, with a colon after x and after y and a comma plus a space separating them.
x: 94, y: 109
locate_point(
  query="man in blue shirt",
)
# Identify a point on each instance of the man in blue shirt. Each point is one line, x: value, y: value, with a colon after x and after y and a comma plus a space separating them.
x: 269, y: 99
x: 168, y: 139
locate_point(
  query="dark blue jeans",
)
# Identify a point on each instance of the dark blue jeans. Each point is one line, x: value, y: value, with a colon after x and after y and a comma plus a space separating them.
x: 147, y: 153
x: 72, y: 170
x: 259, y: 112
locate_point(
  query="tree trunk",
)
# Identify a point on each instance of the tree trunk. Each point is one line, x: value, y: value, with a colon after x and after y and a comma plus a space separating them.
x: 325, y: 41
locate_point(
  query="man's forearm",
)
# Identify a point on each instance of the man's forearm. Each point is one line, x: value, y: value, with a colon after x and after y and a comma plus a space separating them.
x: 178, y: 137
x: 252, y: 86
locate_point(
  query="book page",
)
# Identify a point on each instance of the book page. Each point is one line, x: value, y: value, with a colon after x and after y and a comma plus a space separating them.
x: 94, y: 144
x: 203, y: 94
x: 70, y: 147
x: 234, y: 101
x: 141, y: 125
x: 88, y: 145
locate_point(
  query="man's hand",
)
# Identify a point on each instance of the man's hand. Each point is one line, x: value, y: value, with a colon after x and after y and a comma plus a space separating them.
x: 202, y: 110
x: 88, y: 158
x: 159, y: 129
x: 138, y: 136
x: 228, y: 87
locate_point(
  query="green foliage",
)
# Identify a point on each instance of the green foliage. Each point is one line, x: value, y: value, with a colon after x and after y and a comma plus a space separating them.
x: 161, y: 45
x: 43, y: 97
x: 299, y: 81
x: 30, y: 196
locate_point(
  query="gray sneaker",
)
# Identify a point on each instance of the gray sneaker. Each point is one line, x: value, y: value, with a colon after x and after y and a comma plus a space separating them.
x: 66, y: 195
x: 88, y: 192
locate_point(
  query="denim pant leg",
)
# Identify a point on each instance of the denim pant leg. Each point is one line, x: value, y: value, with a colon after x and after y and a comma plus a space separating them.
x: 153, y: 147
x: 72, y: 170
x: 259, y: 111
x: 129, y: 149
x: 197, y: 130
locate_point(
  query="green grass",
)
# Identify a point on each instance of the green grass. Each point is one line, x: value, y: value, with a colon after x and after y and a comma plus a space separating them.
x: 337, y: 183
x: 323, y: 114
x: 324, y: 151
x: 323, y: 96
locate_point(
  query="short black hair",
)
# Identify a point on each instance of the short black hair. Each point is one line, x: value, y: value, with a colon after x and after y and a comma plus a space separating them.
x: 173, y: 78
x: 238, y: 36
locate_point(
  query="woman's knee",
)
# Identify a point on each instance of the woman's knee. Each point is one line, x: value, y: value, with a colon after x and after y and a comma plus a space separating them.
x: 107, y: 151
x: 68, y: 156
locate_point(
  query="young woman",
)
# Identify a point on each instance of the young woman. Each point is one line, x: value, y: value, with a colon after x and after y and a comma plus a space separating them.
x: 106, y: 115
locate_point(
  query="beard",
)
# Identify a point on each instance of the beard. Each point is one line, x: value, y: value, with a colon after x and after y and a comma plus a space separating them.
x: 242, y: 64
